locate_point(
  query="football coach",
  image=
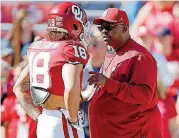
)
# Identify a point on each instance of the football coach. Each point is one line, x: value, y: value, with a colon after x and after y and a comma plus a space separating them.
x: 124, y: 104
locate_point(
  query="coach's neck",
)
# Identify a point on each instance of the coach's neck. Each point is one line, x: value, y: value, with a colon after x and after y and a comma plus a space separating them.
x: 122, y: 40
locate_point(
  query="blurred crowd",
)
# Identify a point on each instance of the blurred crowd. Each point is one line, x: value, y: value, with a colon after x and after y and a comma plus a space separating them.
x: 155, y: 25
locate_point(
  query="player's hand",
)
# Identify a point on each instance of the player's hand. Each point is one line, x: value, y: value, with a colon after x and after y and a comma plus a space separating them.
x: 76, y: 125
x: 97, y: 78
x: 79, y: 123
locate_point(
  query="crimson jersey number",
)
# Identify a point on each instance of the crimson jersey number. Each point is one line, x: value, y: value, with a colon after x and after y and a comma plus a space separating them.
x: 80, y: 52
x: 36, y: 71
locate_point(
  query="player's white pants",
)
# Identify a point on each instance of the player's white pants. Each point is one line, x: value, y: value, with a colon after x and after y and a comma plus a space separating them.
x: 53, y: 124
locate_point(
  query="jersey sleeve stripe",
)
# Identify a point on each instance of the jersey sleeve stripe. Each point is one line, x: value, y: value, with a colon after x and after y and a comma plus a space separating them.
x: 74, y: 63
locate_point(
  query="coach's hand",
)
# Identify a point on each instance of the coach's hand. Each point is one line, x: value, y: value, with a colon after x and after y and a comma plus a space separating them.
x: 97, y: 78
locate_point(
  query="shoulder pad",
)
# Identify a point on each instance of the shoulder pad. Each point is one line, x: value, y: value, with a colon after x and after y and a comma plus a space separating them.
x: 75, y: 53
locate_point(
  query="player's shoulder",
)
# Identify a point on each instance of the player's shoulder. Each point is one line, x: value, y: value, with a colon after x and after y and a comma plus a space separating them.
x: 70, y: 44
x: 75, y: 51
x: 44, y: 44
x: 70, y: 50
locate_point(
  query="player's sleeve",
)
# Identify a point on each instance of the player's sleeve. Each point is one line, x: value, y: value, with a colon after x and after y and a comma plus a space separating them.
x: 142, y: 85
x: 75, y: 54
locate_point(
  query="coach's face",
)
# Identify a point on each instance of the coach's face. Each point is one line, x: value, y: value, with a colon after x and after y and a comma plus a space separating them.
x: 111, y: 32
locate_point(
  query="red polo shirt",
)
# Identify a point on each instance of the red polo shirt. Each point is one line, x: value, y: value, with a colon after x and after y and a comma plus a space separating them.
x: 126, y: 106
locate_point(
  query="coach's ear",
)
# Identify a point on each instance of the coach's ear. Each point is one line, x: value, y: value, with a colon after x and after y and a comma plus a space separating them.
x: 37, y: 38
x: 125, y: 28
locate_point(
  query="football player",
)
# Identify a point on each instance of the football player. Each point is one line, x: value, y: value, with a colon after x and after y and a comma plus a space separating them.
x: 52, y: 79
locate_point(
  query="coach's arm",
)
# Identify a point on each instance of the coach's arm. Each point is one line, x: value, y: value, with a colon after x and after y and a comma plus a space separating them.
x: 140, y: 88
x: 142, y: 85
